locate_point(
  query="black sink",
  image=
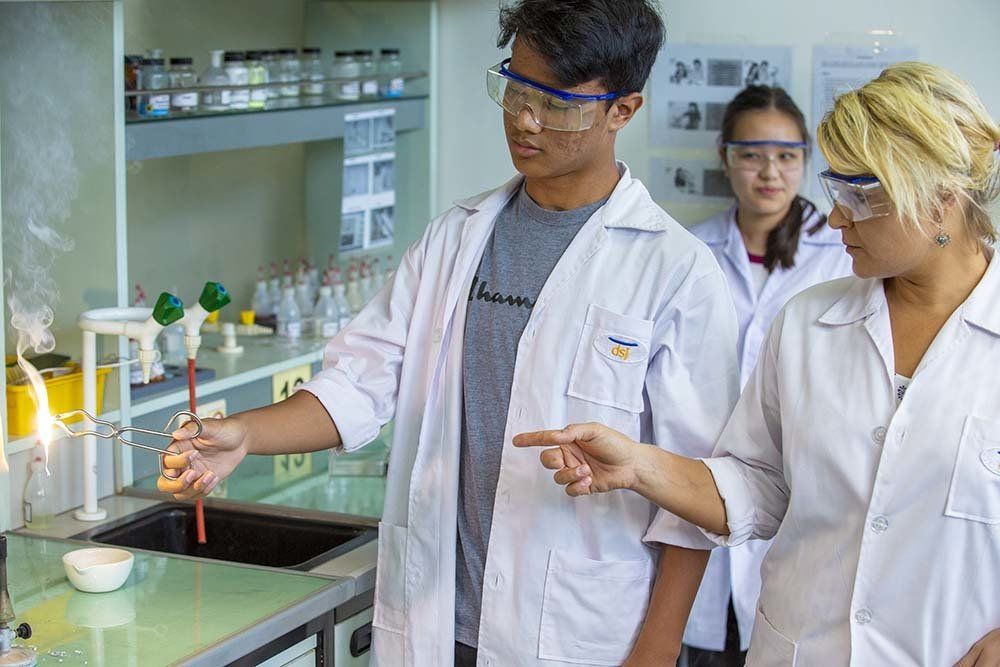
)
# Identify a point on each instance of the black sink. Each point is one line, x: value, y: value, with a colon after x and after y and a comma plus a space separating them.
x: 237, y: 536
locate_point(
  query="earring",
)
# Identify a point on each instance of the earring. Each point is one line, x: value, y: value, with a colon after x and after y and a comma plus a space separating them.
x: 942, y: 239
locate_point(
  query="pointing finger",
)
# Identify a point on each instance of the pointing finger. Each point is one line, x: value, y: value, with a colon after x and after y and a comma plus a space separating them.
x: 543, y: 438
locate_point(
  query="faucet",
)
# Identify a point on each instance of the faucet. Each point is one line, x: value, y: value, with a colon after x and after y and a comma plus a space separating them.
x: 142, y: 325
x: 139, y: 324
x: 213, y: 297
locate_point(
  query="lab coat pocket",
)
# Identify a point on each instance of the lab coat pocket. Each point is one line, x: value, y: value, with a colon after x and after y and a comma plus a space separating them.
x: 975, y: 483
x: 592, y: 610
x: 390, y: 579
x: 611, y: 360
x: 768, y: 647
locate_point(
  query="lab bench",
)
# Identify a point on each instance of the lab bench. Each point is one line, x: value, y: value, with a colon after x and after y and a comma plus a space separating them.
x: 178, y: 610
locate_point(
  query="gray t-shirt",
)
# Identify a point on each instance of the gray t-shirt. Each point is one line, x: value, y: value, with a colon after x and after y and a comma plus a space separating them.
x: 526, y: 244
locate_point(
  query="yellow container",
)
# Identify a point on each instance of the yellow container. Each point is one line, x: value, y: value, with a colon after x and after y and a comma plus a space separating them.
x: 65, y: 394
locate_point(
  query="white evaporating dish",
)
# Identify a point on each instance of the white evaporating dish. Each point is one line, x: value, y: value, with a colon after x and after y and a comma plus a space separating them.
x: 99, y: 569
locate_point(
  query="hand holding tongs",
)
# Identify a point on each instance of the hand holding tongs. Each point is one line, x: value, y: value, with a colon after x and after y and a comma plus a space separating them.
x: 119, y: 432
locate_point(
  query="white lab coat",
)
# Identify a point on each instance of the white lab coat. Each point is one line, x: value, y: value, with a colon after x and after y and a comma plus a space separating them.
x: 887, y: 519
x: 819, y: 257
x: 567, y: 581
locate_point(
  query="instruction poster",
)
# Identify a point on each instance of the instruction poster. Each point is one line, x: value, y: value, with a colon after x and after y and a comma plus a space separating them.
x: 838, y: 69
x: 368, y: 204
x: 689, y: 180
x: 691, y: 84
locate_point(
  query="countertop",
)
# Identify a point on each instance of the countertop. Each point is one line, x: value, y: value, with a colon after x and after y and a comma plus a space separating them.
x: 170, y: 611
x: 259, y: 479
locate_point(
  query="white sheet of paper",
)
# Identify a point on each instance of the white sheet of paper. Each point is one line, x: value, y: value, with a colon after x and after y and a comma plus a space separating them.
x: 838, y: 69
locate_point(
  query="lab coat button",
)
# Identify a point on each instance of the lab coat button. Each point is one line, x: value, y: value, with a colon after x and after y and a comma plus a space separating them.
x: 437, y: 335
x: 878, y: 435
x: 863, y: 617
x: 879, y: 524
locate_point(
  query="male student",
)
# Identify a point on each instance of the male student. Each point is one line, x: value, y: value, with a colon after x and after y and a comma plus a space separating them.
x: 567, y: 294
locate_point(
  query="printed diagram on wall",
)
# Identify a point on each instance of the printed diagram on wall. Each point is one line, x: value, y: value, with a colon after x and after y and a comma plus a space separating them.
x: 369, y: 182
x: 838, y: 69
x: 691, y: 85
x: 688, y: 180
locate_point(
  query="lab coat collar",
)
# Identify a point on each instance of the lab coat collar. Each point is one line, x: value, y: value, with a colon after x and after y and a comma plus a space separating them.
x: 629, y: 195
x: 735, y: 248
x: 981, y: 307
x: 717, y: 230
x: 862, y: 299
x: 865, y: 297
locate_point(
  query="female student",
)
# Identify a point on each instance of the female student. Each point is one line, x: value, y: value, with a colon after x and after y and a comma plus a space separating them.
x: 771, y: 244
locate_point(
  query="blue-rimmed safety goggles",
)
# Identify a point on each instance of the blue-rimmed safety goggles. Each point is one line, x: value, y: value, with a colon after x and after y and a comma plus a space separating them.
x: 551, y: 108
x: 754, y: 155
x: 857, y: 197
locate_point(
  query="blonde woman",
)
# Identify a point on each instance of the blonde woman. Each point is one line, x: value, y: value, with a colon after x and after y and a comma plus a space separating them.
x: 867, y: 442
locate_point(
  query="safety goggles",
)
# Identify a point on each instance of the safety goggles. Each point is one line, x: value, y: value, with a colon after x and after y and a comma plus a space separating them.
x: 857, y: 197
x: 787, y: 156
x: 551, y: 108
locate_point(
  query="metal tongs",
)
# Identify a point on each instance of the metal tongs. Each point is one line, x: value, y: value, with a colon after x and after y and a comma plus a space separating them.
x: 109, y: 431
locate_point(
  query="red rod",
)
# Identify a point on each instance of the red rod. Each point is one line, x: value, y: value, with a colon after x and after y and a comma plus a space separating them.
x: 199, y: 506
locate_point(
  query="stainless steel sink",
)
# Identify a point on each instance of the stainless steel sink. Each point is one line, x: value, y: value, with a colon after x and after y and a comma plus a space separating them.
x: 236, y: 535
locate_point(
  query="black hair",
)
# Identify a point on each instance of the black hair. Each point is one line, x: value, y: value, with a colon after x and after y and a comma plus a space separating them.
x: 783, y: 240
x: 612, y: 41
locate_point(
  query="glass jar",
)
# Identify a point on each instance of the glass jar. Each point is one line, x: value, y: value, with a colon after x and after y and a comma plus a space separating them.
x: 257, y: 76
x: 346, y: 68
x: 369, y: 73
x: 154, y: 77
x: 182, y: 75
x: 239, y: 77
x: 390, y: 73
x: 312, y: 72
x: 133, y: 69
x: 291, y: 73
x: 215, y: 75
x: 273, y: 66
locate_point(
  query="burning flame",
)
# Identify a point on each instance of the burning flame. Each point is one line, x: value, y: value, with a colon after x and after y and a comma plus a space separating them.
x: 43, y: 418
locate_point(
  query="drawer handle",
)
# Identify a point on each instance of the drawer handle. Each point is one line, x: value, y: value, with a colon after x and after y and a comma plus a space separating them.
x: 361, y: 640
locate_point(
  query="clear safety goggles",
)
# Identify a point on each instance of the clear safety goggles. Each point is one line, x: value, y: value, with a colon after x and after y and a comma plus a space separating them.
x: 551, y: 108
x: 857, y: 197
x: 787, y: 156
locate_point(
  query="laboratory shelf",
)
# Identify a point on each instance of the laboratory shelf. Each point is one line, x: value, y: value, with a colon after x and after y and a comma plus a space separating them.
x: 188, y: 135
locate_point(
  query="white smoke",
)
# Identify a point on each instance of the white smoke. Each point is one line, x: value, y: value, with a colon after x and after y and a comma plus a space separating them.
x: 43, y: 94
x: 46, y: 102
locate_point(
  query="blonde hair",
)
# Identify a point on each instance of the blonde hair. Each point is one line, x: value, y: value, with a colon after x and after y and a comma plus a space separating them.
x: 927, y: 137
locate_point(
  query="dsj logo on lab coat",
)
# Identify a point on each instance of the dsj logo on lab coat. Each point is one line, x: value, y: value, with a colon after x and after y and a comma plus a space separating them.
x: 620, y: 349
